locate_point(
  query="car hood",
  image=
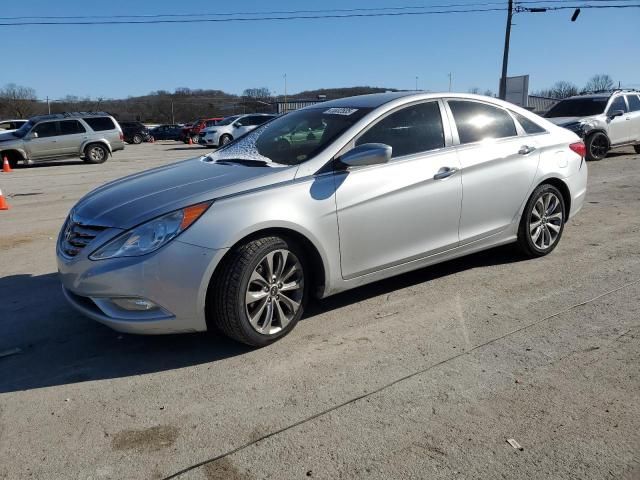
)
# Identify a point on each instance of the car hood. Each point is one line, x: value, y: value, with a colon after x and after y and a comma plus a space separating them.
x: 8, y: 137
x: 132, y: 200
x: 561, y: 121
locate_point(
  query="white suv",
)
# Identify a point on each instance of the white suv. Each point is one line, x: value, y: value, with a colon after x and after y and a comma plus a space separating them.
x: 231, y: 128
x: 603, y: 120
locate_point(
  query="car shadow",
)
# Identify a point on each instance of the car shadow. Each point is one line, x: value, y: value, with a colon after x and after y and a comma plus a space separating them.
x: 192, y: 147
x: 50, y: 163
x: 44, y: 342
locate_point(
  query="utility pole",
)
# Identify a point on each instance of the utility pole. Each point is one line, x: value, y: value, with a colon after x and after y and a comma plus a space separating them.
x: 173, y: 118
x: 450, y: 80
x: 416, y: 83
x: 505, y: 57
x: 285, y: 93
x: 48, y: 105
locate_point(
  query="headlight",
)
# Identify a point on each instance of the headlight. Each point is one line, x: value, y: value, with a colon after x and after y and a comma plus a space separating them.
x: 152, y: 235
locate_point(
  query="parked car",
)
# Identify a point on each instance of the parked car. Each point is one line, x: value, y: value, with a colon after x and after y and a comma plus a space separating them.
x: 193, y: 131
x: 92, y: 136
x: 238, y: 240
x: 135, y: 132
x: 604, y: 120
x: 232, y: 127
x: 7, y: 126
x: 166, y: 132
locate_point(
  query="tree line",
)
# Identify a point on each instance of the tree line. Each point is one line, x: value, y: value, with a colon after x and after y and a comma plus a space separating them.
x: 563, y: 89
x: 161, y: 106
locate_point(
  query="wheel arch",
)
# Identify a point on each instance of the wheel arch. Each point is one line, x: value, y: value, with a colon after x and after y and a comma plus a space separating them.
x: 564, y: 190
x: 13, y: 154
x: 101, y: 141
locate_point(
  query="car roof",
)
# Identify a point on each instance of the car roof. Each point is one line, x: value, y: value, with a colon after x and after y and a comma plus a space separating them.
x: 602, y: 96
x: 66, y: 115
x: 372, y: 100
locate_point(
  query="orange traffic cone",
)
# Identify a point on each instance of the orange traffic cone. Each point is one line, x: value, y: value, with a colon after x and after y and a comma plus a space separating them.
x: 6, y: 168
x: 3, y: 203
x: 190, y: 141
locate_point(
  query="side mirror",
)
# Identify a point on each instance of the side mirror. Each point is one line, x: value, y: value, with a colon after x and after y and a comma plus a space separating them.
x: 237, y: 125
x: 615, y: 113
x: 367, y: 154
x: 33, y: 135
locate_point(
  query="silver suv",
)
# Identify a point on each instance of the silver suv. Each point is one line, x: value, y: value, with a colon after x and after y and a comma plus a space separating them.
x: 230, y: 128
x: 604, y: 120
x: 92, y: 136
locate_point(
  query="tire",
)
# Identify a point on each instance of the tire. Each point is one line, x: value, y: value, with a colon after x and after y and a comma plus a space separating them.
x: 546, y: 208
x: 265, y: 316
x: 224, y: 139
x: 636, y: 148
x: 597, y: 145
x: 96, y: 153
x: 195, y: 139
x: 137, y: 139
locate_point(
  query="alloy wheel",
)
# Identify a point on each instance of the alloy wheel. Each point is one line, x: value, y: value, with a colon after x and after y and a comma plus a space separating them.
x: 96, y: 154
x: 545, y: 222
x: 598, y: 146
x: 274, y: 292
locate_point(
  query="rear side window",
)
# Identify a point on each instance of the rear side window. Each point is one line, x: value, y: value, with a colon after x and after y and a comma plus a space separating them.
x: 99, y: 124
x: 634, y: 103
x: 413, y: 129
x: 47, y: 129
x: 618, y: 104
x: 69, y: 127
x: 478, y: 121
x: 530, y: 127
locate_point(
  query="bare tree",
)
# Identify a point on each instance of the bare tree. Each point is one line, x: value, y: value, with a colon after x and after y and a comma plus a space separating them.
x: 475, y: 90
x: 559, y: 89
x: 259, y: 93
x: 599, y: 82
x: 18, y: 101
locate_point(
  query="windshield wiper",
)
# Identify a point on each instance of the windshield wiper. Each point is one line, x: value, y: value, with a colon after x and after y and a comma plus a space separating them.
x: 242, y: 161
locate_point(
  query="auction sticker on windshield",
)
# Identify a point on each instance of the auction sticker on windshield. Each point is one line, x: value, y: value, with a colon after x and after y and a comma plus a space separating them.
x: 340, y: 111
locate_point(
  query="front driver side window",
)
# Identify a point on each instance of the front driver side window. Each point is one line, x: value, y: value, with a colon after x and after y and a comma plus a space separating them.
x: 47, y: 129
x: 618, y: 104
x: 413, y: 129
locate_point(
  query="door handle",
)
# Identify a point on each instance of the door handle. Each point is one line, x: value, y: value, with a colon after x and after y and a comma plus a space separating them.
x: 445, y: 172
x: 526, y: 150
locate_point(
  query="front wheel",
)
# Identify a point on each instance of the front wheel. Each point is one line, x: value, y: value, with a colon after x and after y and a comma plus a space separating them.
x: 597, y: 146
x: 96, y: 153
x: 259, y: 293
x: 224, y: 139
x: 542, y: 221
x: 137, y: 139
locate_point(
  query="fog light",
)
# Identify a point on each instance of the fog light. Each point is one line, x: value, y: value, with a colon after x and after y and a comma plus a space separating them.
x: 135, y: 304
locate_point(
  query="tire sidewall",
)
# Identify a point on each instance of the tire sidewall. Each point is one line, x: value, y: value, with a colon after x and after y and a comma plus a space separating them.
x: 525, y: 236
x: 87, y: 155
x: 254, y: 337
x: 589, y: 141
x: 137, y: 139
x: 223, y: 138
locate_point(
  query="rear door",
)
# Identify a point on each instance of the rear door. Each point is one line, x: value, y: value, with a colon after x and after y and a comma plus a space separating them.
x: 71, y: 136
x: 498, y: 167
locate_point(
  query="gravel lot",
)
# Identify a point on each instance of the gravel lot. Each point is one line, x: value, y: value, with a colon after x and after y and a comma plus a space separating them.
x: 424, y: 376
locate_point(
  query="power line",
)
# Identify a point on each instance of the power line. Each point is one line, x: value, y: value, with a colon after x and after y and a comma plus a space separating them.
x: 283, y: 12
x: 301, y: 17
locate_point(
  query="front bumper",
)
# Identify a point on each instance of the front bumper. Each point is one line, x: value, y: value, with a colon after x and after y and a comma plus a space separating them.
x: 176, y: 278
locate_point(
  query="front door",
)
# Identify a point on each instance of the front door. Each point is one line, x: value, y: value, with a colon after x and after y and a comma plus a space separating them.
x: 42, y: 141
x: 619, y: 127
x: 405, y: 209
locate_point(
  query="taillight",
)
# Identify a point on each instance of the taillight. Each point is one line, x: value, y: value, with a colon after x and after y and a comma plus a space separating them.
x: 121, y: 137
x: 579, y: 148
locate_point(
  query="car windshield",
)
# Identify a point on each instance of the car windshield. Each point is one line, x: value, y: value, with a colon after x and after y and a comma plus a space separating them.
x: 578, y: 107
x: 23, y: 130
x: 293, y: 138
x: 228, y: 120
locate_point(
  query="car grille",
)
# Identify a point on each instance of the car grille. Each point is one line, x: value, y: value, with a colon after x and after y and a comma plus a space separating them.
x: 77, y: 236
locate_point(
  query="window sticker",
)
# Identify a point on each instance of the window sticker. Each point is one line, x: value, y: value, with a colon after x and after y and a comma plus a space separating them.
x: 340, y: 111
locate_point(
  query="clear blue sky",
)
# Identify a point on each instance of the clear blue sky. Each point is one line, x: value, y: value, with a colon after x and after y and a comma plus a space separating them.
x: 122, y: 60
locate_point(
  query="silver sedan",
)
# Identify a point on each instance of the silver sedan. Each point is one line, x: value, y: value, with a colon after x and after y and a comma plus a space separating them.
x: 315, y: 202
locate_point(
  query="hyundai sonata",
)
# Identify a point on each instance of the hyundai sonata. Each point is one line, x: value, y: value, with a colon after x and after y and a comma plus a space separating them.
x: 315, y: 202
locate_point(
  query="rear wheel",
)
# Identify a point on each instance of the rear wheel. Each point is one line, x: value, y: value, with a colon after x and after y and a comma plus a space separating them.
x: 597, y: 146
x: 259, y: 293
x: 194, y: 138
x: 636, y: 148
x: 542, y: 221
x: 137, y: 139
x: 95, y: 153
